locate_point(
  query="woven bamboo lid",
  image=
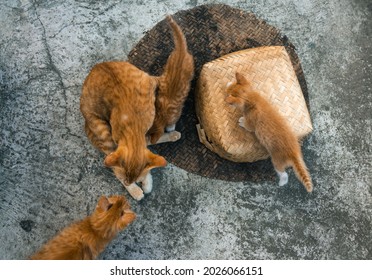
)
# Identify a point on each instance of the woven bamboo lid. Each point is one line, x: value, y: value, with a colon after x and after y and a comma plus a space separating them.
x: 270, y: 71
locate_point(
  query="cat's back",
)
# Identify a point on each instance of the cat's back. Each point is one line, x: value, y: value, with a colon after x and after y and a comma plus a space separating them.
x: 116, y: 82
x: 67, y: 245
x: 272, y: 129
x: 109, y: 77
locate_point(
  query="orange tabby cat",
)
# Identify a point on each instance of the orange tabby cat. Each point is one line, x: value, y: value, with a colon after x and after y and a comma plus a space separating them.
x: 117, y: 103
x: 174, y: 85
x: 271, y: 130
x: 86, y: 239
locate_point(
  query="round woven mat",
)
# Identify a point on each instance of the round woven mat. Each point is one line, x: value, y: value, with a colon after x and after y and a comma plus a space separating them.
x: 211, y: 31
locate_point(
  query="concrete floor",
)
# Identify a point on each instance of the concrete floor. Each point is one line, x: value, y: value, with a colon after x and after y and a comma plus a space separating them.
x: 50, y: 175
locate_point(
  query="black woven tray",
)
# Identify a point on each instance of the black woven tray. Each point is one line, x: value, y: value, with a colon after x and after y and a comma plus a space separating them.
x: 211, y: 31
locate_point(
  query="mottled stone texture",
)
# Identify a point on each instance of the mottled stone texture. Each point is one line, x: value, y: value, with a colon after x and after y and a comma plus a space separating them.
x: 50, y: 175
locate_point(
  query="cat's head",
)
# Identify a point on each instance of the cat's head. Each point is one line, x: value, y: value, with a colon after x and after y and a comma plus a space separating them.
x: 236, y: 92
x: 112, y: 214
x: 133, y: 164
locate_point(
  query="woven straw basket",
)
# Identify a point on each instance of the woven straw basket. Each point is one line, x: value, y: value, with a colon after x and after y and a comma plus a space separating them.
x: 271, y: 73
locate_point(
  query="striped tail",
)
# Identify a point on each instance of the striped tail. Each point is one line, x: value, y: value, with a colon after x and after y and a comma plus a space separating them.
x: 302, y: 173
x: 178, y: 37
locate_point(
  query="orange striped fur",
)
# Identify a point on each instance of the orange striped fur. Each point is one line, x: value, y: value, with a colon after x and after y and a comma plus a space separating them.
x: 86, y: 239
x: 174, y: 85
x: 271, y: 130
x: 117, y: 103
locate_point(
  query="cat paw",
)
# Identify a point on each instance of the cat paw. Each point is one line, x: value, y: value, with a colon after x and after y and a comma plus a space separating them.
x: 147, y: 184
x: 135, y: 191
x: 241, y: 122
x: 174, y: 136
x: 283, y: 179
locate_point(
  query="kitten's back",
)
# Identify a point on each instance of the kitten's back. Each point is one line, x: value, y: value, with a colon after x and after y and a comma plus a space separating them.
x: 271, y: 129
x: 174, y: 84
x: 275, y: 134
x: 65, y: 246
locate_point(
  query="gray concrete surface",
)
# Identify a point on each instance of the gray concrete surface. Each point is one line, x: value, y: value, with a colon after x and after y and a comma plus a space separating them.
x: 50, y: 175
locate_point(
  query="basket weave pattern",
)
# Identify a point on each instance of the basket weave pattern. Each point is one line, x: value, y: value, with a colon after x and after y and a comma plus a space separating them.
x: 211, y: 31
x: 271, y: 73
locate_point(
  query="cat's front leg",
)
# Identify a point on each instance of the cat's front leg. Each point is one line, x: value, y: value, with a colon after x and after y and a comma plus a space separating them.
x: 147, y: 183
x: 245, y: 124
x: 242, y: 122
x: 135, y: 191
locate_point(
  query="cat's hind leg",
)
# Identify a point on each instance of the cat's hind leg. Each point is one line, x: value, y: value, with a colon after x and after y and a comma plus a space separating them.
x: 280, y: 170
x: 283, y: 178
x: 99, y: 133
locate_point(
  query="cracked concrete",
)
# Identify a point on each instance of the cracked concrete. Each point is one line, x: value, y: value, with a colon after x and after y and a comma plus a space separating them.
x: 50, y: 175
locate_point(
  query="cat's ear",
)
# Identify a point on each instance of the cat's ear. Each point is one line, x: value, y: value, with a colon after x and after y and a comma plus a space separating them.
x: 112, y: 159
x: 104, y: 203
x: 155, y: 160
x: 240, y: 79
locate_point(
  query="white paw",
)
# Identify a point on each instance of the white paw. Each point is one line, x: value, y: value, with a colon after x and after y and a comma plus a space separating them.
x: 135, y: 191
x: 170, y: 128
x: 241, y: 121
x: 147, y: 183
x: 174, y: 136
x: 283, y: 178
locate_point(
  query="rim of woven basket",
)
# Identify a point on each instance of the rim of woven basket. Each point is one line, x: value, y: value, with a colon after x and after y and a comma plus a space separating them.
x: 211, y: 31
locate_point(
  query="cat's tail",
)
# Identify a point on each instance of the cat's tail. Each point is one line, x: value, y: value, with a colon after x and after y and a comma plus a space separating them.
x: 302, y: 173
x: 178, y: 36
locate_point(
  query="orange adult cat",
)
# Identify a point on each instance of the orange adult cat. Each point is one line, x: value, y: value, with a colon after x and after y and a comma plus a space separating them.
x: 271, y: 130
x: 86, y: 239
x: 174, y: 85
x: 117, y: 103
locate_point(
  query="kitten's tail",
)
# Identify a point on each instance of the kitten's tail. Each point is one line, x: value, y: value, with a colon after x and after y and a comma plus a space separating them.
x: 178, y: 36
x: 302, y: 173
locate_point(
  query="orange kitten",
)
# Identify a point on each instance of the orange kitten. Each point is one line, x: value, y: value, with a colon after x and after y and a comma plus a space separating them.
x: 271, y: 130
x: 174, y: 85
x: 86, y: 239
x: 117, y: 103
